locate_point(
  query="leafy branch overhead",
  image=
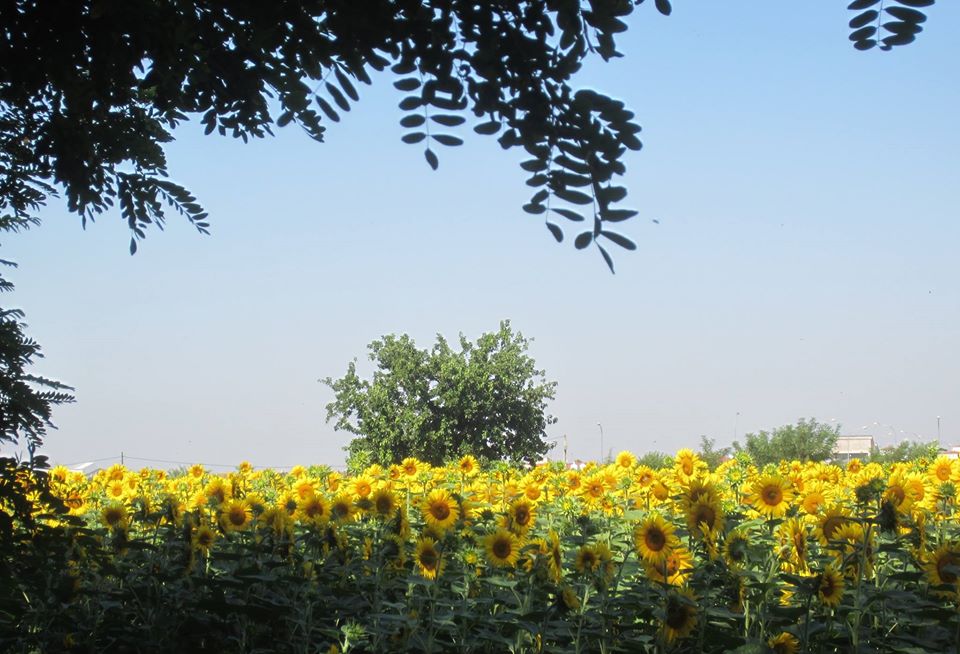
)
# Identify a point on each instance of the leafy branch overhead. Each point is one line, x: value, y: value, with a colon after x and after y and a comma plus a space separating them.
x: 91, y: 93
x: 886, y: 23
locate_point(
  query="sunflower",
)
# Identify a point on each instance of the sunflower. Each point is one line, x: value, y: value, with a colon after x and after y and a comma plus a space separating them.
x: 341, y: 508
x: 687, y: 464
x: 203, y: 538
x: 654, y: 539
x: 784, y: 643
x: 116, y: 490
x: 644, y: 476
x: 735, y: 550
x: 114, y: 516
x: 574, y: 480
x: 384, y: 502
x: 792, y: 537
x: 677, y: 567
x: 942, y: 568
x: 626, y: 460
x: 427, y: 557
x: 503, y: 548
x: 276, y: 519
x: 680, y: 615
x: 854, y: 466
x: 468, y: 465
x: 362, y: 486
x: 410, y: 466
x: 942, y: 469
x: 554, y: 556
x: 704, y: 516
x: 521, y: 516
x: 236, y: 515
x: 771, y: 495
x: 593, y: 488
x: 314, y: 509
x: 333, y: 481
x: 813, y: 500
x: 217, y: 491
x: 440, y: 510
x: 532, y: 490
x: 660, y: 490
x: 832, y: 518
x: 830, y: 586
x: 588, y: 559
x: 569, y: 598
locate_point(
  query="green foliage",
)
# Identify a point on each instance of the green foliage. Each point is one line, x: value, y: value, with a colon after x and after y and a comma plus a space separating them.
x: 808, y: 440
x: 655, y: 460
x: 710, y: 454
x: 905, y: 451
x: 487, y: 399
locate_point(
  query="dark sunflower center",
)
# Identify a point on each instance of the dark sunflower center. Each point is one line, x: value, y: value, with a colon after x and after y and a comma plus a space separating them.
x: 655, y: 539
x: 946, y: 561
x: 428, y: 559
x: 440, y: 511
x: 772, y: 495
x: 502, y: 548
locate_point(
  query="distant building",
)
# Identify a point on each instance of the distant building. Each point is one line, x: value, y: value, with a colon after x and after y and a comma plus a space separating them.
x: 852, y: 447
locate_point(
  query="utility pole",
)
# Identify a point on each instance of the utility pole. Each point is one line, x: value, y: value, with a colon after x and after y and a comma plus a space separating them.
x: 601, y: 443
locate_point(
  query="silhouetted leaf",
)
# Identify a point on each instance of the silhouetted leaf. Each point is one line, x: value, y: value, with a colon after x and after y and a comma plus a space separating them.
x: 540, y: 196
x: 866, y: 17
x: 345, y: 84
x: 407, y: 84
x: 410, y: 102
x: 905, y: 14
x: 862, y: 4
x: 447, y: 139
x: 284, y: 119
x: 583, y: 240
x: 448, y: 120
x: 568, y: 214
x: 663, y: 6
x: 606, y: 257
x: 133, y: 246
x: 619, y: 239
x: 574, y: 197
x: 413, y: 120
x: 338, y: 97
x: 413, y: 137
x: 916, y: 3
x: 534, y: 208
x: 556, y: 231
x: 431, y: 158
x: 617, y: 215
x: 487, y: 128
x: 863, y: 33
x: 328, y: 110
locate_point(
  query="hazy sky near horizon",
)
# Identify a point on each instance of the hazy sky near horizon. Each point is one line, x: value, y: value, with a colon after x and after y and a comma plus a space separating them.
x: 805, y: 264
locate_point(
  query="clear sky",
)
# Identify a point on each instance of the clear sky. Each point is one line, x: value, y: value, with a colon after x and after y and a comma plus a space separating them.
x: 806, y: 262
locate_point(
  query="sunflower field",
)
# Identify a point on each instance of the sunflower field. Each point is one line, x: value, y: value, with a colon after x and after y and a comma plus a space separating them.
x: 464, y: 558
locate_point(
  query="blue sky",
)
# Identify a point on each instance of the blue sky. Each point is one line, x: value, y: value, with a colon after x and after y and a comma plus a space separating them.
x: 805, y: 264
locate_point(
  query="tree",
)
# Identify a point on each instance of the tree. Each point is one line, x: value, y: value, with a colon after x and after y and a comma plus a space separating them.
x: 91, y: 91
x: 808, y: 440
x: 488, y: 399
x: 710, y: 454
x: 905, y: 451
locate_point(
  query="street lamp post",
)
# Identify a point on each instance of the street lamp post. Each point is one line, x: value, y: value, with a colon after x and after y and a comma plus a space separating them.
x: 601, y: 443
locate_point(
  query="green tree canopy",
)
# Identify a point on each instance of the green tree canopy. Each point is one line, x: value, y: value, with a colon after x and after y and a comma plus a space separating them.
x: 905, y: 451
x: 808, y: 440
x: 487, y: 399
